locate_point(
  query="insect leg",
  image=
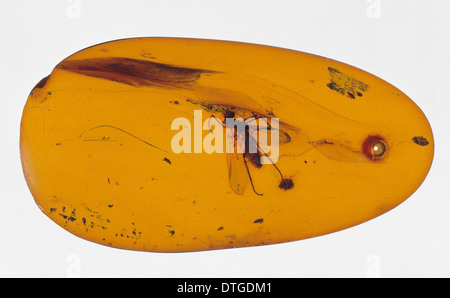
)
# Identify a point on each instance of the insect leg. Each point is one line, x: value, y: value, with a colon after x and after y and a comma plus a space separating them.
x: 250, y: 177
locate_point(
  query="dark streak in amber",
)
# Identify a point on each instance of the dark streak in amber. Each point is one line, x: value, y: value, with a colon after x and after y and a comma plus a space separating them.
x: 41, y: 83
x: 134, y: 72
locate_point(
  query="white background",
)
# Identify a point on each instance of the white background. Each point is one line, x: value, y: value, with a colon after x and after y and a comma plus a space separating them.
x: 404, y: 42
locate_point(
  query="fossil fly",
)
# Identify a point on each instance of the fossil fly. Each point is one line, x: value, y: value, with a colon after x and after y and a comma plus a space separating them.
x: 238, y: 160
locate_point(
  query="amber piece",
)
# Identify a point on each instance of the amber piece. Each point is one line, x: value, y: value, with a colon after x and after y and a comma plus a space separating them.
x: 120, y: 145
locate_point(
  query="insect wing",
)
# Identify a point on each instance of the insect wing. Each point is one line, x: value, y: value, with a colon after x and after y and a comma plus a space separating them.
x: 237, y: 173
x: 283, y: 137
x: 263, y: 127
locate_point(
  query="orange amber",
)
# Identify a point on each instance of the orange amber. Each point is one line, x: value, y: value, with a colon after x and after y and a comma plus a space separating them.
x: 113, y: 145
